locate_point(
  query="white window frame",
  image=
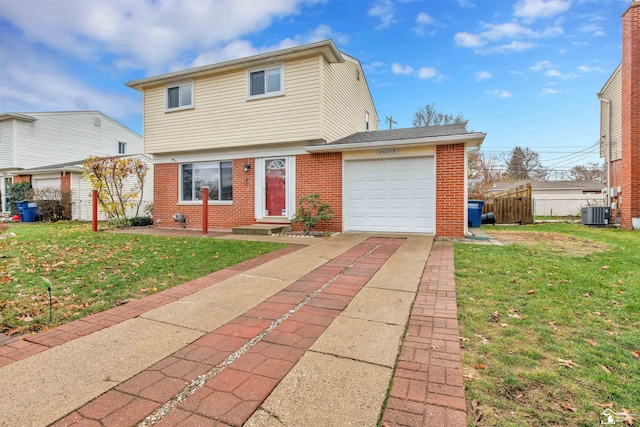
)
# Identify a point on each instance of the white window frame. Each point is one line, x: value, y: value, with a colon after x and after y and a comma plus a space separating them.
x: 186, y: 85
x: 366, y: 115
x: 122, y: 147
x: 265, y: 70
x: 181, y: 201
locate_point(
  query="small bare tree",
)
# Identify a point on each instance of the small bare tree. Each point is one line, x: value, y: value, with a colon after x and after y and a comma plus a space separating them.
x: 119, y: 181
x: 429, y: 116
x: 483, y: 173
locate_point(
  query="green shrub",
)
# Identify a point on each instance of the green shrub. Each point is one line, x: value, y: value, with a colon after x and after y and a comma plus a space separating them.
x: 311, y: 210
x: 141, y: 221
x: 17, y: 193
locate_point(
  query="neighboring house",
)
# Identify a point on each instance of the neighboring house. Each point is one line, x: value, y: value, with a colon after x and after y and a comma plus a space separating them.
x: 557, y: 198
x: 619, y: 124
x: 69, y: 176
x: 265, y: 130
x: 32, y: 140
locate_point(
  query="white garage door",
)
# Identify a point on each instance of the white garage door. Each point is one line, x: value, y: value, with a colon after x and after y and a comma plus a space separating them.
x: 40, y: 183
x: 396, y: 195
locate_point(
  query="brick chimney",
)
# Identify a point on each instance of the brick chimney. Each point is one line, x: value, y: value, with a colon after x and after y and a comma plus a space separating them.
x: 630, y: 177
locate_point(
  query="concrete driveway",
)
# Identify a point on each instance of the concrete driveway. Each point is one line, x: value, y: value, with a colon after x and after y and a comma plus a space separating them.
x: 305, y: 336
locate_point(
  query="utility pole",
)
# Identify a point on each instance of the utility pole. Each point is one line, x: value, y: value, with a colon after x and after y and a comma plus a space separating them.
x: 391, y: 122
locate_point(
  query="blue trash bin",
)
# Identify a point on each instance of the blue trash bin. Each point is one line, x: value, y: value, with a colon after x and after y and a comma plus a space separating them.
x: 22, y: 205
x: 29, y: 213
x: 474, y: 212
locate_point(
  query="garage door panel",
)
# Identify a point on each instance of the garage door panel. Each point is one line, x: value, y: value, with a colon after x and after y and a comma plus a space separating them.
x: 390, y: 195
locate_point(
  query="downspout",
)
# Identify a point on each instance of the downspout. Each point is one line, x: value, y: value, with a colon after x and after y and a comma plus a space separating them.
x: 608, y: 101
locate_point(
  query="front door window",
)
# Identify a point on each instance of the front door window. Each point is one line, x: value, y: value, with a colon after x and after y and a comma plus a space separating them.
x: 275, y: 187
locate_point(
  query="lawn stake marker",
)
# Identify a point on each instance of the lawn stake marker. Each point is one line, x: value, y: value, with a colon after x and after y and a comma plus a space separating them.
x: 199, y: 382
x: 48, y: 282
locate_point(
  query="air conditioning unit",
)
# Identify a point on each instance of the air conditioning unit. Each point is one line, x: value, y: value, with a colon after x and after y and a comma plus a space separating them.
x: 614, y: 191
x: 596, y: 215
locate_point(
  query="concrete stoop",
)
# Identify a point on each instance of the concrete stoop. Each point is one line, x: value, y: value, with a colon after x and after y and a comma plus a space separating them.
x: 262, y: 229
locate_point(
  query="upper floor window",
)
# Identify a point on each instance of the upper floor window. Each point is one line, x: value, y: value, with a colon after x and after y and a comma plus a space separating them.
x: 366, y: 118
x: 265, y: 82
x: 218, y: 176
x: 179, y: 96
x: 122, y: 148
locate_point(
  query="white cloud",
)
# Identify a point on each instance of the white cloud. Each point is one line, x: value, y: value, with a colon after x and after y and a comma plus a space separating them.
x: 424, y: 19
x: 499, y: 93
x: 466, y: 4
x: 423, y: 73
x: 541, y: 65
x: 588, y: 69
x: 553, y: 73
x: 465, y: 39
x: 514, y: 46
x: 383, y: 10
x: 495, y: 33
x: 142, y: 35
x: 405, y: 70
x: 549, y: 91
x: 533, y: 9
x: 427, y: 73
x: 483, y: 75
x: 33, y: 81
x: 579, y: 43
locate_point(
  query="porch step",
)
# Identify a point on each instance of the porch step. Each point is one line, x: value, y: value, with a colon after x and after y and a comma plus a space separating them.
x: 261, y: 229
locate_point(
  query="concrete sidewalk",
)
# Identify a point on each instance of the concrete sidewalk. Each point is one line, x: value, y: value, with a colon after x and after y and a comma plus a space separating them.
x: 307, y: 336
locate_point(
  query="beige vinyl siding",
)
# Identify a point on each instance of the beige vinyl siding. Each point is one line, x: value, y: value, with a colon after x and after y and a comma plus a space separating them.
x: 223, y: 117
x: 6, y: 144
x: 613, y: 92
x: 345, y: 100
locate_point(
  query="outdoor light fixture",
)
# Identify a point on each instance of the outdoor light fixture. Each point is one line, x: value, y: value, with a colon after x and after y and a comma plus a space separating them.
x: 247, y: 166
x: 181, y: 218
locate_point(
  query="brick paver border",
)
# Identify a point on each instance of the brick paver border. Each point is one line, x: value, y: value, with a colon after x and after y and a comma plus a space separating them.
x: 14, y: 349
x: 428, y: 387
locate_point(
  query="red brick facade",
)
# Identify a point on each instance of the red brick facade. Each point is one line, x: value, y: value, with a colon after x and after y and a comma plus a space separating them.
x: 630, y: 167
x: 315, y: 173
x: 21, y: 178
x: 321, y: 173
x: 165, y: 199
x: 65, y: 181
x: 450, y: 197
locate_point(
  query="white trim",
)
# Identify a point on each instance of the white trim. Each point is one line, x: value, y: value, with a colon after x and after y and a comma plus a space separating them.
x: 266, y: 94
x: 179, y: 85
x: 260, y: 186
x: 251, y: 152
x: 472, y: 139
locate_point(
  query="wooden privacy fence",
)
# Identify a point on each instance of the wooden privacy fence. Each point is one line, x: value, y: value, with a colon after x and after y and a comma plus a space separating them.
x: 512, y: 206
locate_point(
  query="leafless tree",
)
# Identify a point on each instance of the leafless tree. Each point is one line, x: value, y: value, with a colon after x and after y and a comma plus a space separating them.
x: 428, y: 116
x: 524, y: 163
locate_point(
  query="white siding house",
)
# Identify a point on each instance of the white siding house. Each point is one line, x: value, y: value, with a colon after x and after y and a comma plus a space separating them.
x: 34, y: 140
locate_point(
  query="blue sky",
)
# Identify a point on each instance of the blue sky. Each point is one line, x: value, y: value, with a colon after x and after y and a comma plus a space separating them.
x: 526, y: 72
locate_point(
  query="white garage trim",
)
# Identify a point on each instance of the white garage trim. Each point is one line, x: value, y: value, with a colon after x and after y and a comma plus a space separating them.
x: 390, y: 194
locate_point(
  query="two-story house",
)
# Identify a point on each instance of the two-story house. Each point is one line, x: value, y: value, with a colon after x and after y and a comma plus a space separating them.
x: 47, y: 149
x: 619, y: 125
x: 263, y: 131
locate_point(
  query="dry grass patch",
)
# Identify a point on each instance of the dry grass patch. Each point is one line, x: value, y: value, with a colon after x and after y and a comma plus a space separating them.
x: 557, y: 242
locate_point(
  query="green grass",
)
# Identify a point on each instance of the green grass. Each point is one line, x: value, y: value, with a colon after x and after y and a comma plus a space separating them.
x: 577, y: 293
x: 91, y: 272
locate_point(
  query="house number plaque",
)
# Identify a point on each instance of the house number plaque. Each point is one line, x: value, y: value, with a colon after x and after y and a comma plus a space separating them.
x: 387, y: 152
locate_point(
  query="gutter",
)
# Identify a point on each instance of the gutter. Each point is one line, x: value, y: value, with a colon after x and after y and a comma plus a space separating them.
x: 608, y: 102
x: 472, y: 138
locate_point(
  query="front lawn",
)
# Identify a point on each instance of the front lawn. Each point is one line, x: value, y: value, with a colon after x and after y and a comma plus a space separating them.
x: 550, y: 325
x: 91, y: 272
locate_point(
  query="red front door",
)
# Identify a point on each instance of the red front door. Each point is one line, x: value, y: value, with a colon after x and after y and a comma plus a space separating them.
x: 275, y: 187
